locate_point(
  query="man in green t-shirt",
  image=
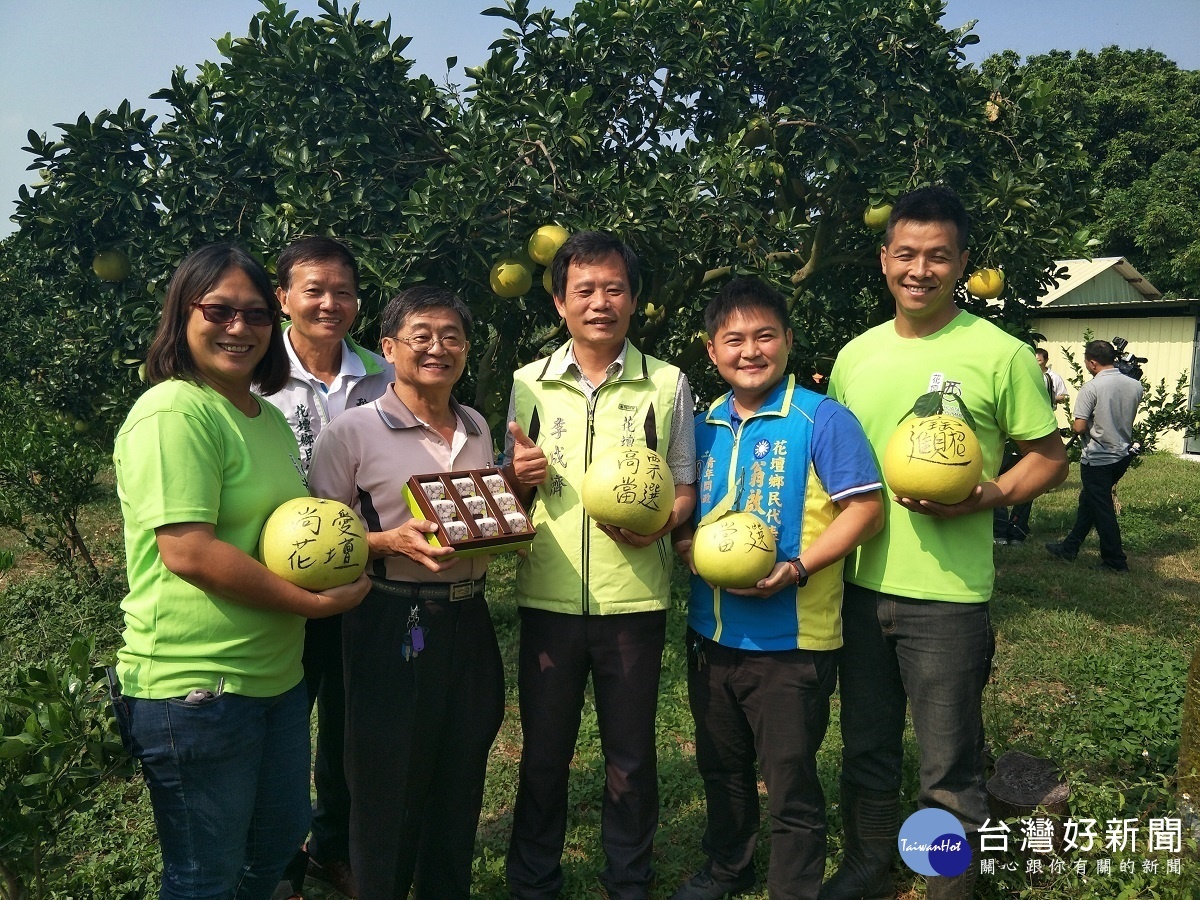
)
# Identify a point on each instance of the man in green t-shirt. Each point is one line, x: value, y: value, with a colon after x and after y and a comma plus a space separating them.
x: 916, y: 628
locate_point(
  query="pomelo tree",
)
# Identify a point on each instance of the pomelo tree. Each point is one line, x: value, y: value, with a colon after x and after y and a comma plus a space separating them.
x: 714, y: 138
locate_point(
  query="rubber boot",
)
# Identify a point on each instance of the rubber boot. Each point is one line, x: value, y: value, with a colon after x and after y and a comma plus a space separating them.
x: 871, y: 827
x: 960, y: 887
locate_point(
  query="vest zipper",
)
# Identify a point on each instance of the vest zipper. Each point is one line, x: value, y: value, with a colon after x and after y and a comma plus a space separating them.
x: 586, y: 537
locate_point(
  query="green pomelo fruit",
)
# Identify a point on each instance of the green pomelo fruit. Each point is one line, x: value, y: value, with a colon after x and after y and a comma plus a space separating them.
x: 313, y: 543
x: 736, y: 551
x: 631, y: 488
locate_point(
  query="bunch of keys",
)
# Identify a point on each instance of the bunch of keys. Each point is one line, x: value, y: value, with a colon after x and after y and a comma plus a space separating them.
x: 698, y: 652
x: 414, y: 637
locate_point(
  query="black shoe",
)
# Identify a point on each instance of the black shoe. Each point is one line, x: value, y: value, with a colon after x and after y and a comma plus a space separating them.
x: 1056, y: 550
x: 1105, y: 567
x: 702, y: 885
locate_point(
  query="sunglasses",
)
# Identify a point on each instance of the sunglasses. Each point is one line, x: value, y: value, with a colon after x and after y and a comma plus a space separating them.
x: 220, y: 314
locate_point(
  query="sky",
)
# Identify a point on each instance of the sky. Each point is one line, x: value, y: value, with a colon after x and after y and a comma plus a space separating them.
x: 59, y: 58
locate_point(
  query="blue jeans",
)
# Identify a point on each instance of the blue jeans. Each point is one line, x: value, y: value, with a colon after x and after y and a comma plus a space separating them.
x: 934, y: 657
x: 228, y: 779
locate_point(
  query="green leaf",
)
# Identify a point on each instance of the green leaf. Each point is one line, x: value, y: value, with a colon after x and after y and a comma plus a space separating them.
x: 725, y: 504
x: 928, y: 405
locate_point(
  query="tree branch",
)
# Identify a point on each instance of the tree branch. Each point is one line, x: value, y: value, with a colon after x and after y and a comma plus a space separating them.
x: 828, y: 129
x: 662, y: 101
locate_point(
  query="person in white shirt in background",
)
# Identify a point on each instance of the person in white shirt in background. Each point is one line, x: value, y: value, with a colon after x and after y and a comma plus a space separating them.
x: 318, y: 291
x: 1055, y: 386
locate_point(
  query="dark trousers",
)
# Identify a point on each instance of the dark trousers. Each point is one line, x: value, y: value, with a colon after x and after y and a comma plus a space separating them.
x: 934, y: 658
x: 1096, y: 511
x: 623, y: 653
x: 773, y: 707
x: 418, y: 733
x: 330, y: 840
x: 1011, y: 524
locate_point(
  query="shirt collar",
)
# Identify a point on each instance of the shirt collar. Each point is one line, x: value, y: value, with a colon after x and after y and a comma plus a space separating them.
x: 396, y: 415
x: 351, y: 365
x: 565, y: 363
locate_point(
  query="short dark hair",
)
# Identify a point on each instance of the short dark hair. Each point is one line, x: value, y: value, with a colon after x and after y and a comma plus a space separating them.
x: 169, y: 355
x: 743, y: 294
x: 416, y: 299
x: 313, y: 250
x: 1101, y: 352
x: 593, y: 247
x: 1042, y: 353
x: 933, y: 203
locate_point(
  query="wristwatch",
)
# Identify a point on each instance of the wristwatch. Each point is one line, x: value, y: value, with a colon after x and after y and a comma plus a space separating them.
x: 801, y: 572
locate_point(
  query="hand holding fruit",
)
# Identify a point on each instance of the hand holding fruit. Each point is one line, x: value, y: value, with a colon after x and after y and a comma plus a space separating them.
x: 684, y: 550
x: 529, y: 464
x: 974, y: 502
x: 338, y: 599
x: 781, y: 576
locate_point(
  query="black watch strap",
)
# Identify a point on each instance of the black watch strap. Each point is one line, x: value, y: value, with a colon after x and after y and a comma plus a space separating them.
x: 801, y: 572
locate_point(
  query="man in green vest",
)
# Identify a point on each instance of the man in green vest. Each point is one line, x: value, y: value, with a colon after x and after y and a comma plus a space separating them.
x: 593, y: 598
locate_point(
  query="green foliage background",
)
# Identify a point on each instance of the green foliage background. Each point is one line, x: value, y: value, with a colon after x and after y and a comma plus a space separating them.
x: 713, y: 138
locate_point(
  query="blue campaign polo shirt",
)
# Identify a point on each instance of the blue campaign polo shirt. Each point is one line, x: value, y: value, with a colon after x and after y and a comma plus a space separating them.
x: 797, y: 455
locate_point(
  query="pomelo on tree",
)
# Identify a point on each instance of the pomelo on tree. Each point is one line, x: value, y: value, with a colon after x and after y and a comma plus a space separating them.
x: 876, y: 217
x: 629, y: 487
x: 933, y: 458
x: 313, y: 543
x: 544, y: 243
x: 735, y: 551
x: 548, y: 281
x: 111, y: 265
x: 986, y: 284
x: 510, y: 278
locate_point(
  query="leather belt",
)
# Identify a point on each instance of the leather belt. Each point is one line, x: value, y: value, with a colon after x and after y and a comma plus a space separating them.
x: 419, y: 590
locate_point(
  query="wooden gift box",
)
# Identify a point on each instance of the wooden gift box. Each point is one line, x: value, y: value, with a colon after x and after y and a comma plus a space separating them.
x: 476, y: 543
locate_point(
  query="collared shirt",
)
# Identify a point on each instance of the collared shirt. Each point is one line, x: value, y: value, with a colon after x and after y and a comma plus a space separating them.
x: 1108, y: 403
x: 364, y: 457
x: 308, y: 406
x: 1055, y: 386
x: 681, y: 451
x: 335, y: 394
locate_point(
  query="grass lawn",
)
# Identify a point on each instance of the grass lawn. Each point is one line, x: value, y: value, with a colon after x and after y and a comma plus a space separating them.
x: 1089, y: 672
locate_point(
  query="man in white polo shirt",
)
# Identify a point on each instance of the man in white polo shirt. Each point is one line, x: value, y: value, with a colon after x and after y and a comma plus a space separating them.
x: 318, y: 290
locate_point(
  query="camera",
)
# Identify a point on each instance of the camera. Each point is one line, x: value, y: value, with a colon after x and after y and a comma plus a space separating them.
x: 1126, y: 363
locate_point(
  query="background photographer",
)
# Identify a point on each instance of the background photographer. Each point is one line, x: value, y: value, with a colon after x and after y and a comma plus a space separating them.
x: 1104, y: 412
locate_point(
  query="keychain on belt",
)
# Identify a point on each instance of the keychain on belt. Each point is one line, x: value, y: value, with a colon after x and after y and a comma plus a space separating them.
x: 414, y: 635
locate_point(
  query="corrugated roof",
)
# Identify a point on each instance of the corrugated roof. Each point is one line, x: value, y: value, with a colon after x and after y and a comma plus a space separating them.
x: 1081, y: 271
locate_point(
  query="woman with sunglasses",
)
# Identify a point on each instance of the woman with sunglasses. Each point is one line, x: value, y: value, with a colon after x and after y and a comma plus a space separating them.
x: 208, y: 689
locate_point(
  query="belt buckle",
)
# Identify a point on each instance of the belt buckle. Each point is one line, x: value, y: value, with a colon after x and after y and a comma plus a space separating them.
x: 462, y: 590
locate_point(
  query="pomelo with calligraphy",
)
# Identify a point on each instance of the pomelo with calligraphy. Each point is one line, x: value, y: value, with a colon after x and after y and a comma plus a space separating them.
x: 735, y: 551
x: 313, y: 543
x: 933, y: 458
x: 629, y: 487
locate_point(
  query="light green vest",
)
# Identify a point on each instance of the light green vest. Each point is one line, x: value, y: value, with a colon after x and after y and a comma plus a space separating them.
x: 573, y: 567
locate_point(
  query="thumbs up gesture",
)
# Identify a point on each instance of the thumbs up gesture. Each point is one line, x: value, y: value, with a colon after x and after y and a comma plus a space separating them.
x: 528, y: 460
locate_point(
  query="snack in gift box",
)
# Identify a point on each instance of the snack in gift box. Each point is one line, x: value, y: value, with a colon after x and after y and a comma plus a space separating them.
x: 476, y: 511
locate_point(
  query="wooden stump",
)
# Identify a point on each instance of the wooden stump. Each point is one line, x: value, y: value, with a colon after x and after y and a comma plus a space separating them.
x: 1025, y: 786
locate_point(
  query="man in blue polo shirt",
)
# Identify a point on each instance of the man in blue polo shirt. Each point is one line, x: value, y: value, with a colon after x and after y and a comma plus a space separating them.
x: 763, y: 661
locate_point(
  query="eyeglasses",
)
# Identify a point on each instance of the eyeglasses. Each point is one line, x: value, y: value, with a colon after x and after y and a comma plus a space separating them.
x: 423, y: 343
x: 220, y: 314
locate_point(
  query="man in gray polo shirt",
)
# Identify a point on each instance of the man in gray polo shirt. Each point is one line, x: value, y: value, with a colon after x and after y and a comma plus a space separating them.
x: 1104, y: 413
x: 424, y: 678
